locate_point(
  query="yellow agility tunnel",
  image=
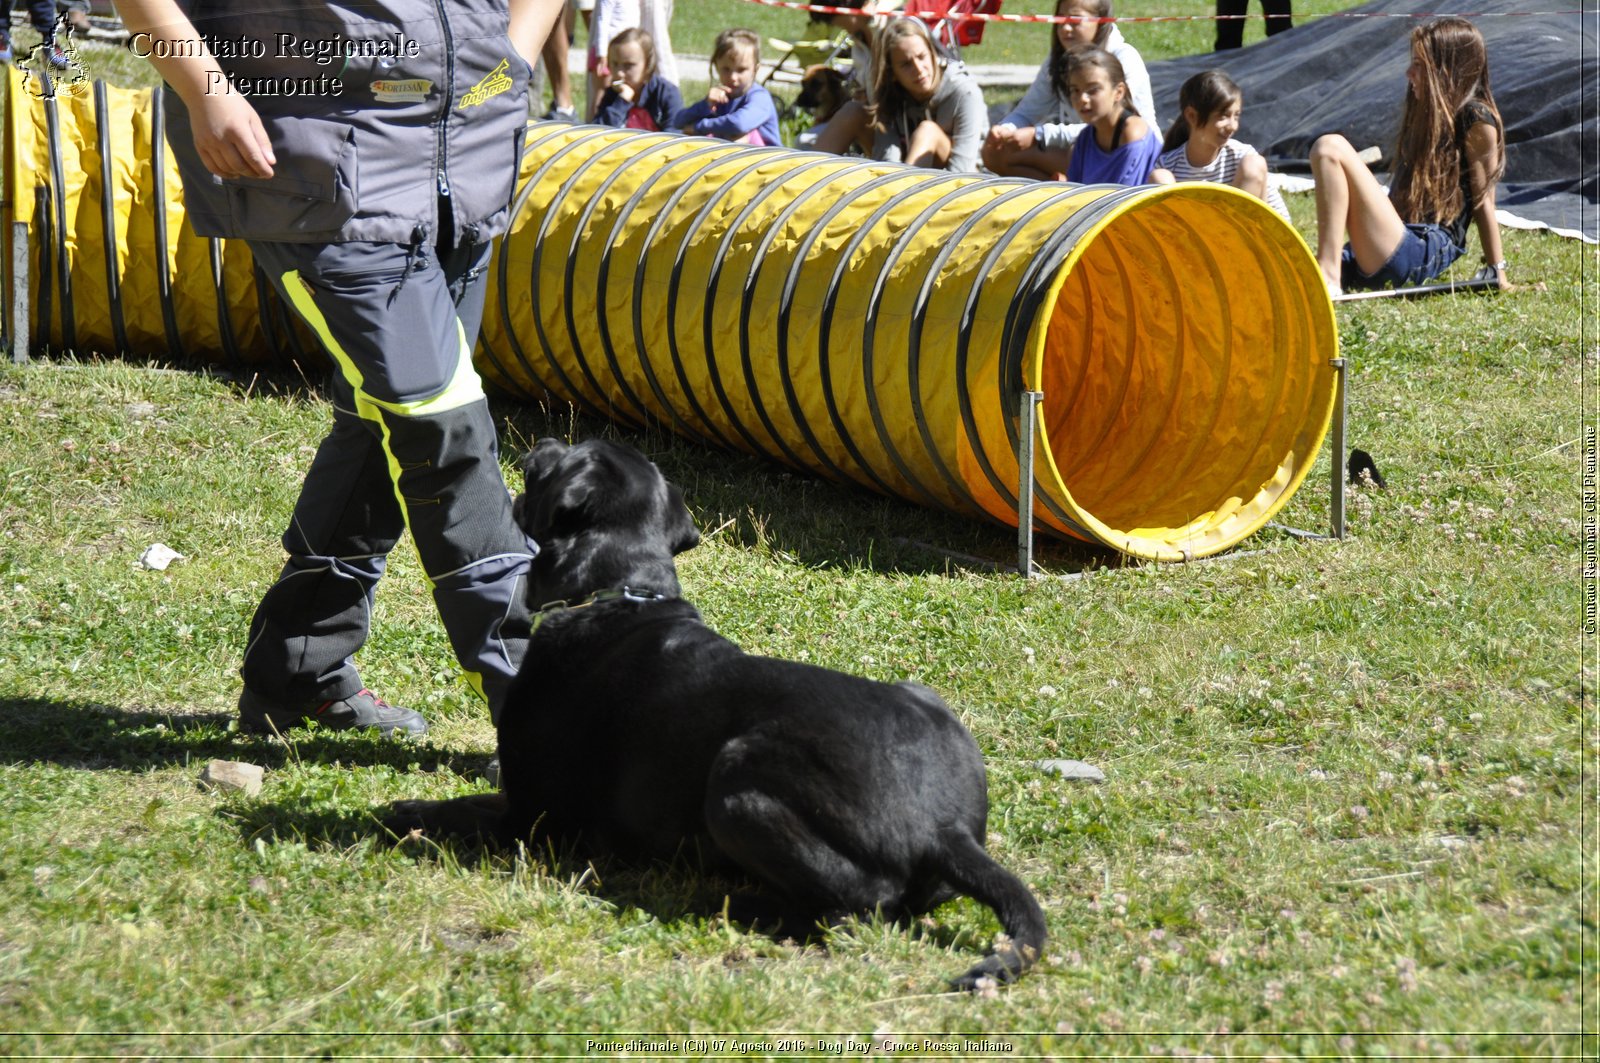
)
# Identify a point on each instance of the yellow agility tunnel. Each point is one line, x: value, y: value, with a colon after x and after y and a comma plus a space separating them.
x: 870, y: 323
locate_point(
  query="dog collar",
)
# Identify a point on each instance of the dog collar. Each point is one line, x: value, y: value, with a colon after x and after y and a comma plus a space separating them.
x: 608, y: 594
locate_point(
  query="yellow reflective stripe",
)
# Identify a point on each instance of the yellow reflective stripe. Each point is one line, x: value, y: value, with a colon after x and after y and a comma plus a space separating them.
x: 464, y: 388
x: 366, y: 406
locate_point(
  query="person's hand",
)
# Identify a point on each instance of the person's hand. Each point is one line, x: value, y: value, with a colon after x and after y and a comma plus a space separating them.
x: 229, y: 137
x: 624, y: 90
x: 1010, y: 136
x: 717, y: 95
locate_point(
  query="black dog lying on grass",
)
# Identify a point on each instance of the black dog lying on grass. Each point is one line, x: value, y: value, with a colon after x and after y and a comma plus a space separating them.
x: 635, y: 730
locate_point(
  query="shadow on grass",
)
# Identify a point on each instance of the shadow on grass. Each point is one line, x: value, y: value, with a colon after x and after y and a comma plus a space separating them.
x: 757, y: 503
x: 817, y: 522
x: 94, y: 737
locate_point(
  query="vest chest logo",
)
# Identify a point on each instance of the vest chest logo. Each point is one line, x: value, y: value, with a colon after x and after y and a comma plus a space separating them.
x: 408, y: 90
x: 494, y: 83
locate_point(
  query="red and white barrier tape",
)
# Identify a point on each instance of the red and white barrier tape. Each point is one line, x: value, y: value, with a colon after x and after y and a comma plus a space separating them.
x: 826, y: 9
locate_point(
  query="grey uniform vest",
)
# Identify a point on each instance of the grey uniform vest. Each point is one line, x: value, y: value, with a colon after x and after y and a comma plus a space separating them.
x: 381, y: 113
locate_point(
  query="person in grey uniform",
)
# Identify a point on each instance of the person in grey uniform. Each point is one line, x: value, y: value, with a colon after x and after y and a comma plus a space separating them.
x: 367, y: 153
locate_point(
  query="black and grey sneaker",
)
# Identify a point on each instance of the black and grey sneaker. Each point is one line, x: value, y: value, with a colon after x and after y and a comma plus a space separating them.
x: 359, y: 711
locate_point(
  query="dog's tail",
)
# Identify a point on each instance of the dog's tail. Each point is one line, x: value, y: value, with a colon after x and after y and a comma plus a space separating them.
x: 973, y: 871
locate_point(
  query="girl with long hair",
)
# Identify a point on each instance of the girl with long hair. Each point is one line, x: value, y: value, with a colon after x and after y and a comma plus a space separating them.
x: 737, y: 107
x: 925, y: 111
x: 1117, y: 146
x: 1200, y: 145
x: 638, y: 96
x: 1450, y: 156
x: 1035, y: 139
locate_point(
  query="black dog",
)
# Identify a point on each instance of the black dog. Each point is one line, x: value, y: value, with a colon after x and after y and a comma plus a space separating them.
x: 636, y: 731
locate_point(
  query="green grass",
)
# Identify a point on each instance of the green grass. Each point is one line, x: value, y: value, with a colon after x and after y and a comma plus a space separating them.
x: 1344, y: 814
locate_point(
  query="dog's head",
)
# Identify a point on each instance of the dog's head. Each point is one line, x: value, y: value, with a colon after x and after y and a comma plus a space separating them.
x: 822, y: 92
x: 603, y: 516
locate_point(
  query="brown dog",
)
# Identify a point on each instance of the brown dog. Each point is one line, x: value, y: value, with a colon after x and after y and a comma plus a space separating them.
x: 822, y: 92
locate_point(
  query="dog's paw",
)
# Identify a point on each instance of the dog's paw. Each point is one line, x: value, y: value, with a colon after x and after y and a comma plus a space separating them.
x: 406, y: 820
x: 477, y: 817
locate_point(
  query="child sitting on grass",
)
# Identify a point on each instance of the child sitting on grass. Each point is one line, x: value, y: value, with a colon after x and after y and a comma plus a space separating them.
x: 638, y: 96
x: 1118, y: 147
x: 928, y: 111
x: 735, y: 108
x: 1200, y: 144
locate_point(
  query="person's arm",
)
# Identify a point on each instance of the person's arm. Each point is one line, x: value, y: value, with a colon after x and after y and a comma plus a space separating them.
x: 613, y: 109
x: 668, y: 103
x: 688, y: 117
x: 1037, y: 105
x: 969, y: 124
x: 743, y: 114
x: 530, y: 25
x: 1144, y: 149
x: 228, y: 135
x: 1483, y: 148
x: 608, y: 20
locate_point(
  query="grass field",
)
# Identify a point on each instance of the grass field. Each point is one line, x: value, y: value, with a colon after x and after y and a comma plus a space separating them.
x: 1349, y: 807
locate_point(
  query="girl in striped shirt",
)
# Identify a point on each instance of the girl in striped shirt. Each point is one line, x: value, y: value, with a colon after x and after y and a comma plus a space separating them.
x: 1200, y: 144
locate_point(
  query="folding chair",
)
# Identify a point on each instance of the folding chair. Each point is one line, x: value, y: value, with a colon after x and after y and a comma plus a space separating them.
x: 821, y: 44
x: 943, y: 20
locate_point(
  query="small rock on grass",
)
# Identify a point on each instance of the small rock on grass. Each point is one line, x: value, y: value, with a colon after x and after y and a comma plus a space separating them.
x: 1073, y: 770
x: 232, y: 775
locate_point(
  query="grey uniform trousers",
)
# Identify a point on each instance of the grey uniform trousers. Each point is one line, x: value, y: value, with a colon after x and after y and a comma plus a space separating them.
x: 412, y: 447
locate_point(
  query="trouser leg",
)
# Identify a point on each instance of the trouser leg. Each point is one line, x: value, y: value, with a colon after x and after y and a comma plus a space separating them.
x: 1279, y: 15
x: 41, y: 16
x: 1230, y: 31
x: 315, y: 617
x: 396, y: 322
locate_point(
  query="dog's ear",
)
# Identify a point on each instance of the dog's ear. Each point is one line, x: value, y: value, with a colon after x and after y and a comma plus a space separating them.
x: 685, y: 536
x: 564, y: 485
x: 542, y: 456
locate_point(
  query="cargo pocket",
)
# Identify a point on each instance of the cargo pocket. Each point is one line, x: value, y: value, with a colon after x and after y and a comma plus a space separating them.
x: 313, y: 190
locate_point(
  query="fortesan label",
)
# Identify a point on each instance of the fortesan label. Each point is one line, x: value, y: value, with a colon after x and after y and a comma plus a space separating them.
x: 408, y: 90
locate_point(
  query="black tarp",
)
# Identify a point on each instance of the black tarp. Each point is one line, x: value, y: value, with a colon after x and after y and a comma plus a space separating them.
x: 1347, y: 74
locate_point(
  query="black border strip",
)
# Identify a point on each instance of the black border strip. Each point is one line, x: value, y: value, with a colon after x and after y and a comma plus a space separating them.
x: 641, y: 414
x: 108, y: 217
x: 503, y: 266
x: 870, y: 328
x: 44, y: 226
x: 58, y: 178
x: 712, y: 433
x: 158, y: 170
x: 914, y: 370
x: 708, y: 341
x: 230, y: 344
